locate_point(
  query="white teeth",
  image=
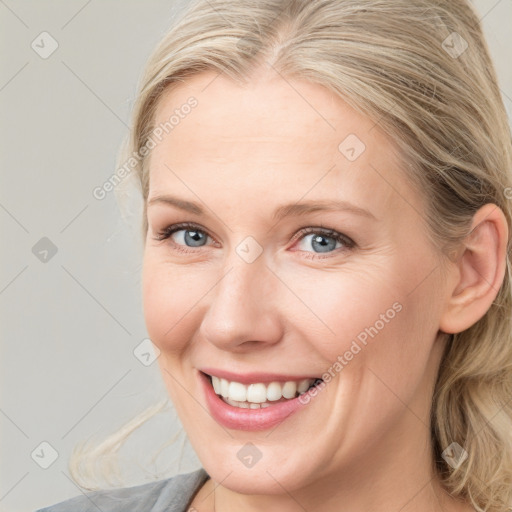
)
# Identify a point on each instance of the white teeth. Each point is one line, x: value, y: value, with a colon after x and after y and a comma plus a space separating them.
x: 245, y: 405
x: 258, y: 395
x: 289, y: 389
x: 238, y: 392
x: 224, y: 388
x: 303, y: 385
x: 216, y: 385
x: 274, y: 391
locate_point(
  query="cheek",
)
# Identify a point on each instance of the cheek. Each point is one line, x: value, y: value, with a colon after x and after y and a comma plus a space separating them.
x: 171, y: 300
x: 344, y: 304
x: 374, y: 316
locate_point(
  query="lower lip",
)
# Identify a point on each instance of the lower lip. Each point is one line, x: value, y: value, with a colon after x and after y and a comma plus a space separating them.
x: 246, y: 419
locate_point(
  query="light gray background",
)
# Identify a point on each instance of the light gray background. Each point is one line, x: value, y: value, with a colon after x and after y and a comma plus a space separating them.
x: 70, y: 325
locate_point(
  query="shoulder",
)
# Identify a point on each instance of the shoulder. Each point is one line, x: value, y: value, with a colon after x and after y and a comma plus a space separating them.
x: 170, y: 495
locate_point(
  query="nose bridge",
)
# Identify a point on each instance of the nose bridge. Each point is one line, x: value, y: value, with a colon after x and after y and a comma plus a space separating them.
x: 245, y: 278
x: 239, y: 284
x: 240, y: 307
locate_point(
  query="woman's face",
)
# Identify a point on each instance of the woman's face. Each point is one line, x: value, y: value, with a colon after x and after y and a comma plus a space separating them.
x: 306, y: 257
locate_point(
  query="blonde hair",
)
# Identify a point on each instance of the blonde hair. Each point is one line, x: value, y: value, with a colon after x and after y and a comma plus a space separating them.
x: 421, y: 70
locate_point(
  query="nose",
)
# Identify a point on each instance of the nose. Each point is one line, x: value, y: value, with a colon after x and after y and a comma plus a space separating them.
x: 243, y: 312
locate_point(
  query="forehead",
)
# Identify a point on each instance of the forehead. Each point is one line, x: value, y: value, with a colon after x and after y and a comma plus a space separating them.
x: 273, y: 137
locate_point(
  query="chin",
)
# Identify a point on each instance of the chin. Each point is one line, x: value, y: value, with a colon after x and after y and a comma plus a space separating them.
x: 270, y: 475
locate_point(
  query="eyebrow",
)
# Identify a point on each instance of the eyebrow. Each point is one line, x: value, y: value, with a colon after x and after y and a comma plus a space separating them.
x: 287, y: 210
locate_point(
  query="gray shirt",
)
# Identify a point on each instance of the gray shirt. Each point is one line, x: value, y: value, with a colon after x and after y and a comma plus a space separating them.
x: 170, y: 495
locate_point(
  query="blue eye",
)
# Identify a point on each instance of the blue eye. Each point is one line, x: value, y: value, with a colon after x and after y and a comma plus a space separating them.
x: 320, y: 243
x: 321, y: 240
x: 191, y: 236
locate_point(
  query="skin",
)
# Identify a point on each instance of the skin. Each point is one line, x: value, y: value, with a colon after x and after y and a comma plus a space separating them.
x: 364, y: 441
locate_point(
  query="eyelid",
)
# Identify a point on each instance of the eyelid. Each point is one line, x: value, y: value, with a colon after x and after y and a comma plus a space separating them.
x: 331, y: 233
x: 168, y: 231
x: 173, y: 228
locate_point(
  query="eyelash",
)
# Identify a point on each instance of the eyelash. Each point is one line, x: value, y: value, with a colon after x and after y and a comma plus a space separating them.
x: 321, y: 230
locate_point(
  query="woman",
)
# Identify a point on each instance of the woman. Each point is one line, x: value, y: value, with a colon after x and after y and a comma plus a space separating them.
x: 326, y: 270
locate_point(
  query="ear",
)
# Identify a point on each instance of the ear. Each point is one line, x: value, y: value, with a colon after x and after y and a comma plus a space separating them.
x: 478, y: 273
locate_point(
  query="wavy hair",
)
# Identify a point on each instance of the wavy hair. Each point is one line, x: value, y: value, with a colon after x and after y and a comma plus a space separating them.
x: 420, y: 69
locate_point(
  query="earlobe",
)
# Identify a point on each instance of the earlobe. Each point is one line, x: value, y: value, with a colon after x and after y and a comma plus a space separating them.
x: 480, y: 270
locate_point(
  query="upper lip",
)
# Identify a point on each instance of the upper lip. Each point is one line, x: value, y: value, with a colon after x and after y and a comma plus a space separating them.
x: 254, y: 377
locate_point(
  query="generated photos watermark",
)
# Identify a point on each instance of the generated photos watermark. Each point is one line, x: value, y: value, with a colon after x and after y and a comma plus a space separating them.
x: 357, y: 345
x: 157, y: 135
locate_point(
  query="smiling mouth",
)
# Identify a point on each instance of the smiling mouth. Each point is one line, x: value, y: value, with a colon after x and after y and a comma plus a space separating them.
x: 259, y: 395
